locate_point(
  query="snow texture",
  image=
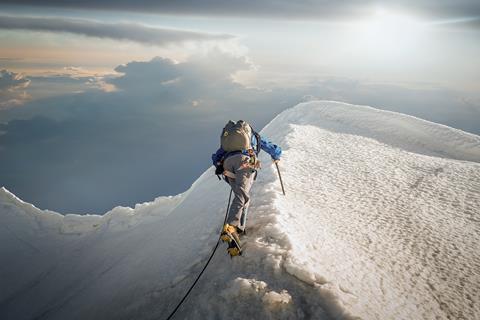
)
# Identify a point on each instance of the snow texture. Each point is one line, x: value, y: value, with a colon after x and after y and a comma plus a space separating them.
x: 381, y: 221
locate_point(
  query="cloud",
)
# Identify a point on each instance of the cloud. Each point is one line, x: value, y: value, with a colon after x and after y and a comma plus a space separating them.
x: 12, y: 89
x: 284, y: 9
x: 101, y: 84
x: 39, y: 87
x: 201, y: 75
x: 9, y: 59
x: 116, y: 31
x: 460, y: 23
x: 12, y: 81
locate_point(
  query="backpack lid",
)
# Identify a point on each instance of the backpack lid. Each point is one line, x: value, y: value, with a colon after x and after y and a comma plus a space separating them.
x: 236, y: 136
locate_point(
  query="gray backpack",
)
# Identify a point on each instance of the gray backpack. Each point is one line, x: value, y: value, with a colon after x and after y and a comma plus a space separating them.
x: 236, y: 136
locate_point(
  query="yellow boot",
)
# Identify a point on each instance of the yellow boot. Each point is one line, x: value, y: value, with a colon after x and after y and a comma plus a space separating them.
x: 234, y: 251
x: 227, y: 233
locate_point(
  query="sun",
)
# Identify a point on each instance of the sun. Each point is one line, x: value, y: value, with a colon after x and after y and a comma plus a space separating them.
x: 389, y: 31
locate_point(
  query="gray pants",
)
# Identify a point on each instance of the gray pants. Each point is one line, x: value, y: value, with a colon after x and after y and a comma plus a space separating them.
x: 237, y: 215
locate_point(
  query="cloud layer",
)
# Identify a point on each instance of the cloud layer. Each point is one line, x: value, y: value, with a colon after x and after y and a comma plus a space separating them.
x: 312, y: 9
x: 117, y: 31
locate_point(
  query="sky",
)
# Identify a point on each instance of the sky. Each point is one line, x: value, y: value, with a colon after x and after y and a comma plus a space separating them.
x: 106, y: 103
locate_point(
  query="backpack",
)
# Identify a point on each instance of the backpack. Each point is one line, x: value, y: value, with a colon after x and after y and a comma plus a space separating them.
x: 237, y: 136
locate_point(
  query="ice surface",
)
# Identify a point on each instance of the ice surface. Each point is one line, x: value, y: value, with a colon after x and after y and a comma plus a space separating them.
x: 381, y: 221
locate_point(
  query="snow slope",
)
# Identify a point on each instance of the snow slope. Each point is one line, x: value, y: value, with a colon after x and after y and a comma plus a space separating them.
x: 381, y: 221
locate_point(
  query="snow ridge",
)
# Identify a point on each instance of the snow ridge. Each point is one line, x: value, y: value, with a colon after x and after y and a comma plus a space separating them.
x: 119, y: 218
x: 393, y: 128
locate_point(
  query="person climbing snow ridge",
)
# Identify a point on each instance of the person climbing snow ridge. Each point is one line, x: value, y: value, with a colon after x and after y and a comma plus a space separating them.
x: 237, y: 160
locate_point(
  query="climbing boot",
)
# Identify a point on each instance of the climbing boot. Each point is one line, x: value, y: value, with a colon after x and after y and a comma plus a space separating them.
x: 234, y: 249
x: 228, y: 232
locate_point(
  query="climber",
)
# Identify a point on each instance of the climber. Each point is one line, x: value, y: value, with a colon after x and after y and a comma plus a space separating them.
x: 237, y: 160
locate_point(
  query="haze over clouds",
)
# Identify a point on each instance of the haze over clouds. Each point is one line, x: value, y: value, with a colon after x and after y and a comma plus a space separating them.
x: 117, y: 31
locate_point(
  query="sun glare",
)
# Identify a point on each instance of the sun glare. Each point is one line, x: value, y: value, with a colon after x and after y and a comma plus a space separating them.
x: 389, y: 32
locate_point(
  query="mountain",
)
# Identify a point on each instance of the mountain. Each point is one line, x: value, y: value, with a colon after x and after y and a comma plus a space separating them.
x: 381, y: 220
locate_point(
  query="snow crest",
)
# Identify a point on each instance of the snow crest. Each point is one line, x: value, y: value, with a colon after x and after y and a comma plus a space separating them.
x: 380, y: 221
